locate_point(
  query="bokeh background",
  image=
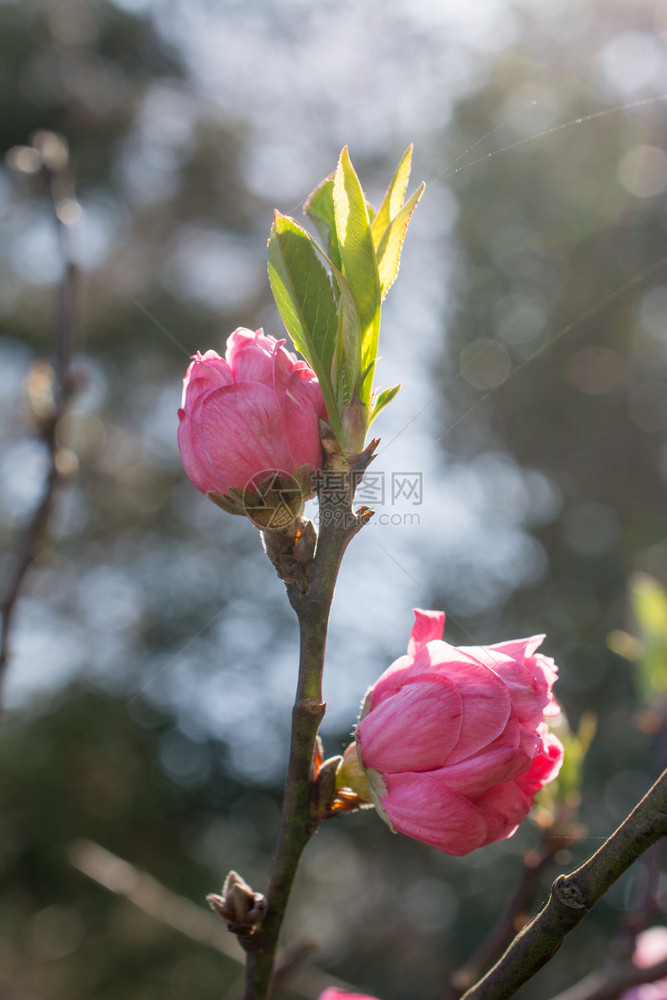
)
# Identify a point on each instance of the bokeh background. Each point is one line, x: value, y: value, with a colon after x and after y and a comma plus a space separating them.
x: 153, y: 654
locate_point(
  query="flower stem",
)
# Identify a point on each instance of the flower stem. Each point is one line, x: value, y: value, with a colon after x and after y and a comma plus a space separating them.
x: 338, y: 526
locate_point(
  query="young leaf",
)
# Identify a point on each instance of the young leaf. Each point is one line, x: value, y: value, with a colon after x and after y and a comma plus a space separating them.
x: 393, y: 199
x: 305, y: 301
x: 346, y: 361
x: 359, y: 264
x: 320, y: 208
x: 346, y: 368
x: 391, y: 244
x: 382, y: 399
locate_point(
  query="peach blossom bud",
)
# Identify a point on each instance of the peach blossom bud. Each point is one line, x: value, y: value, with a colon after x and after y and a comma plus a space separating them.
x: 454, y: 741
x: 249, y: 428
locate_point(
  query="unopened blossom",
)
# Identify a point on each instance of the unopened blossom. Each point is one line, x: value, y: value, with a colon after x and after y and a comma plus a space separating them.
x: 454, y: 742
x: 249, y: 424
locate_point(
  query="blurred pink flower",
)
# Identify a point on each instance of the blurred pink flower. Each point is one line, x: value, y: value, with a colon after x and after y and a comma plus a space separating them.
x: 335, y: 994
x: 454, y: 742
x: 249, y: 415
x: 650, y: 948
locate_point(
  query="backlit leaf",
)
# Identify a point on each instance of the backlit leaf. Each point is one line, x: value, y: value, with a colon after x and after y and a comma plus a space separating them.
x: 389, y: 250
x: 302, y: 290
x: 394, y: 197
x: 358, y: 260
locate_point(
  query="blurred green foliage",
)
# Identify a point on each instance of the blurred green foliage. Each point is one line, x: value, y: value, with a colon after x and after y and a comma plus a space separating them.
x: 88, y: 768
x: 649, y: 649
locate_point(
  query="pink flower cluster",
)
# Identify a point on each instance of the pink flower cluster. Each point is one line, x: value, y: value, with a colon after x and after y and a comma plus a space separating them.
x: 454, y: 742
x: 249, y: 414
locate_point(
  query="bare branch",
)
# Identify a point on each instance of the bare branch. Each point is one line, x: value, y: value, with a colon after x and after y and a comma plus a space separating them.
x: 47, y: 156
x: 574, y: 895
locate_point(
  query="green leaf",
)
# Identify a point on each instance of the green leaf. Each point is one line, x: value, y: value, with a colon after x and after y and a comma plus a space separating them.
x: 345, y: 365
x: 393, y: 199
x: 576, y: 746
x: 359, y: 266
x: 320, y: 208
x: 649, y: 603
x: 302, y: 290
x: 391, y: 244
x: 382, y: 399
x: 346, y: 368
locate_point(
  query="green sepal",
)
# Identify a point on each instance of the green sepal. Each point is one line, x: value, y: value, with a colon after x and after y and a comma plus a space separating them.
x: 359, y: 263
x: 354, y: 421
x: 302, y: 290
x: 380, y: 401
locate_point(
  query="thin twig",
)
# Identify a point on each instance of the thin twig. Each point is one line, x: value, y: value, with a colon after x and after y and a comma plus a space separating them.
x: 178, y: 912
x: 53, y: 172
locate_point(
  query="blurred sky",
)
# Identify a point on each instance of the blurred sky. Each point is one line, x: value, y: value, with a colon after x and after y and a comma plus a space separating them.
x: 298, y: 79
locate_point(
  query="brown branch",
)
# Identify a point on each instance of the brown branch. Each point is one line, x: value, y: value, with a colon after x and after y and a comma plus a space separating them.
x: 574, y: 895
x: 534, y: 863
x: 338, y: 525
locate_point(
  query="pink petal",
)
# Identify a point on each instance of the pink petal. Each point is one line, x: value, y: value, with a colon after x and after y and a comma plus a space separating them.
x: 194, y: 457
x: 424, y: 807
x: 529, y: 697
x: 303, y: 404
x: 252, y: 357
x: 546, y: 765
x: 392, y: 680
x: 504, y: 807
x: 485, y: 699
x: 428, y: 625
x: 415, y: 730
x: 242, y: 432
x: 519, y: 649
x: 503, y: 763
x: 542, y: 667
x: 207, y: 371
x: 529, y: 678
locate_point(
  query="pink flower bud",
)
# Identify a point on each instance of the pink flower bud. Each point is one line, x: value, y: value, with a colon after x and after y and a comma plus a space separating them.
x: 249, y: 417
x: 454, y: 741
